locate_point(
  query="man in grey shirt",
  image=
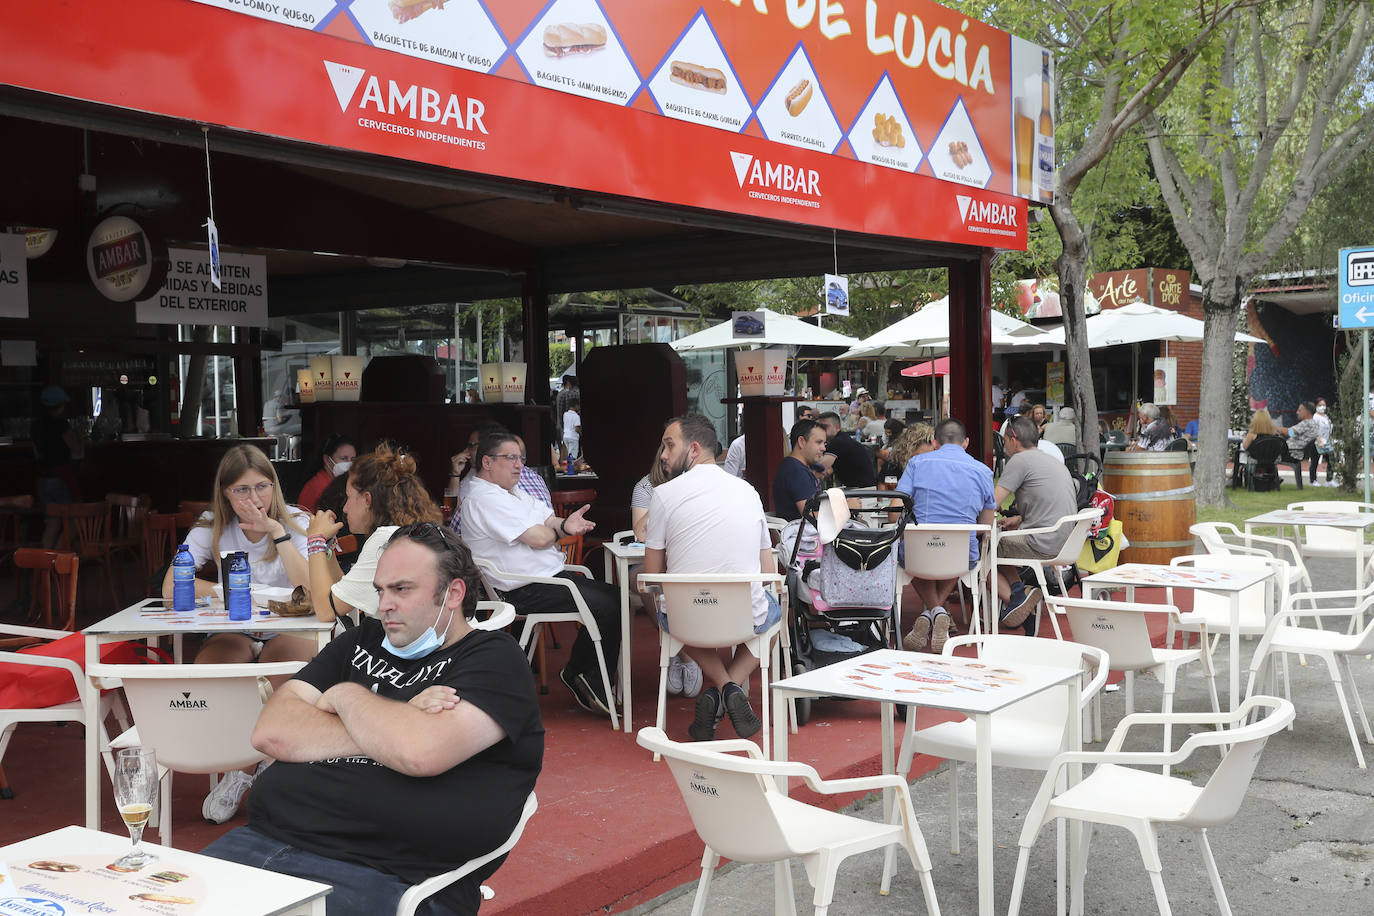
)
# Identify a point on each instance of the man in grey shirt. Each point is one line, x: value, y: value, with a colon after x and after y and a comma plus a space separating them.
x: 1045, y: 493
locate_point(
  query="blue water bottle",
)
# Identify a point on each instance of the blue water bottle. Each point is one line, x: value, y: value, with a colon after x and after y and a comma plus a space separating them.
x: 183, y: 581
x: 240, y: 597
x: 571, y: 465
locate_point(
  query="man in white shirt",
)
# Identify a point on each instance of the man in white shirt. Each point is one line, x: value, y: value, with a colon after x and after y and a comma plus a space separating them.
x: 734, y: 457
x: 516, y: 533
x: 706, y: 521
x: 572, y: 428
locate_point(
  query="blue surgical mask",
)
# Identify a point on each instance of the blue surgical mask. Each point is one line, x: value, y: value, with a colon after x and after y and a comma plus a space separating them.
x: 424, y: 644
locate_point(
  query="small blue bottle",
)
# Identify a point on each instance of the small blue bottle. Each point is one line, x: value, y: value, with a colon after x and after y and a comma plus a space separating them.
x: 239, y: 600
x: 571, y: 466
x: 183, y: 581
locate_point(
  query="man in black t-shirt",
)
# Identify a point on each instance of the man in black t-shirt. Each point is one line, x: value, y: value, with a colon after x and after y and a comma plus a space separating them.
x: 794, y: 483
x: 855, y: 466
x: 405, y: 748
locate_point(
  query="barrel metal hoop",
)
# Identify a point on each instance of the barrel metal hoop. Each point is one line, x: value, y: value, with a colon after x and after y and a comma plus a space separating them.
x: 1154, y: 496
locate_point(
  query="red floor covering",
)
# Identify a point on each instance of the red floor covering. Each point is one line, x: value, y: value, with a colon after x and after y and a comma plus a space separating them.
x: 611, y: 831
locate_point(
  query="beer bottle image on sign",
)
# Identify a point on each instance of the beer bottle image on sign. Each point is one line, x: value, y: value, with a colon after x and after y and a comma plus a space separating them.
x: 1044, y: 136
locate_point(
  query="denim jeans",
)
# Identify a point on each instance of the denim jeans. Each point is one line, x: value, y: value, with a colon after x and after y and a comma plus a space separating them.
x: 358, y: 890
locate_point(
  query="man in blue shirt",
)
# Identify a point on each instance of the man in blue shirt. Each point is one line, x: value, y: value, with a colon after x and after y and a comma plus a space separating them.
x: 794, y: 483
x: 947, y: 485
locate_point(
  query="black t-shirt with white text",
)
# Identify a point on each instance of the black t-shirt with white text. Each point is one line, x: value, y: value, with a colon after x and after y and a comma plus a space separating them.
x: 358, y: 810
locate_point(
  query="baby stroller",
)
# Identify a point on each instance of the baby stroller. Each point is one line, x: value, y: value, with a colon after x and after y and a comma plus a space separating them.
x: 842, y: 578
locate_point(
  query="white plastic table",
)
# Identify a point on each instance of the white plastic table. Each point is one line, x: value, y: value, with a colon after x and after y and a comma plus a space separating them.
x: 202, y: 885
x: 152, y: 617
x: 1229, y: 582
x: 619, y: 558
x: 956, y: 684
x: 1289, y: 518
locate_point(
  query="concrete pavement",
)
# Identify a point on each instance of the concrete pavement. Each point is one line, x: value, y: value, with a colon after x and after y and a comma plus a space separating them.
x: 1302, y: 843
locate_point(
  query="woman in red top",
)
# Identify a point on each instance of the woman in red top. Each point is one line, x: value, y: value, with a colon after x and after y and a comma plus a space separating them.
x: 335, y: 458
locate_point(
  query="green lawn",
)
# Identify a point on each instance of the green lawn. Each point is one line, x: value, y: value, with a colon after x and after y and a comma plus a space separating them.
x: 1245, y: 504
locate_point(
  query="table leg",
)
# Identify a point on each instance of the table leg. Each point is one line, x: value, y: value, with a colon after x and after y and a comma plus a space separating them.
x: 780, y: 730
x: 91, y: 704
x: 983, y: 763
x: 1074, y: 743
x: 622, y: 568
x: 1233, y: 676
x: 784, y: 903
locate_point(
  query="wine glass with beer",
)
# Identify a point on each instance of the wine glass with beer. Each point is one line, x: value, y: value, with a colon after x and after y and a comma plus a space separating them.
x: 136, y: 786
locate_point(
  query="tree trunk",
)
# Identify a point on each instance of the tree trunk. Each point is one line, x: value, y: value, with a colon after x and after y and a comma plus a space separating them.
x: 1073, y: 279
x: 1218, y: 344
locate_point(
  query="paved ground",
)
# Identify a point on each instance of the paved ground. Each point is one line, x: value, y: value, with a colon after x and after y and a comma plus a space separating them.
x: 1303, y: 842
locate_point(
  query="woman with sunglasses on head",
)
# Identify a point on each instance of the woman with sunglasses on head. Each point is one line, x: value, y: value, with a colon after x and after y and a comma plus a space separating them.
x: 248, y: 513
x: 384, y: 493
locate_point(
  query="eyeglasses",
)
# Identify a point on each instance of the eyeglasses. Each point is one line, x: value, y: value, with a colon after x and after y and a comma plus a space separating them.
x: 511, y: 458
x: 262, y: 489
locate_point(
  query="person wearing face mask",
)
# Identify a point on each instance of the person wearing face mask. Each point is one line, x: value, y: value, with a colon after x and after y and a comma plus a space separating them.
x: 384, y: 492
x: 335, y: 459
x: 405, y: 748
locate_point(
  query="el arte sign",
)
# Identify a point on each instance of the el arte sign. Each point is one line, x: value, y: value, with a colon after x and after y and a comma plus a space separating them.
x: 14, y: 277
x: 188, y: 297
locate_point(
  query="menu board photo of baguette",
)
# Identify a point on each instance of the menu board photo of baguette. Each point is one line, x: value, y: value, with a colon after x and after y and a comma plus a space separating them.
x: 695, y: 81
x: 457, y: 33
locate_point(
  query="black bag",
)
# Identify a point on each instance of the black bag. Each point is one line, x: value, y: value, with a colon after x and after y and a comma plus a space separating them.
x: 863, y: 549
x: 1266, y: 476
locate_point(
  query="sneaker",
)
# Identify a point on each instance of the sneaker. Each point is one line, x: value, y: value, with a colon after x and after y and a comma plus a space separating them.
x: 691, y: 678
x: 1022, y: 602
x: 742, y: 715
x: 709, y: 711
x: 224, y: 799
x: 938, y: 636
x: 584, y: 693
x: 674, y: 676
x: 916, y: 640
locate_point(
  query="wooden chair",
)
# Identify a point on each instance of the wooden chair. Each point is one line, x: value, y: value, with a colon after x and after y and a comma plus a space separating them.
x: 125, y: 529
x: 566, y: 502
x: 197, y: 507
x: 85, y: 532
x: 51, y: 569
x: 161, y: 534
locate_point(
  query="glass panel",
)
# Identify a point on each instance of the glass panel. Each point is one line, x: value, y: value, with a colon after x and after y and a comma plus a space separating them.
x: 706, y: 379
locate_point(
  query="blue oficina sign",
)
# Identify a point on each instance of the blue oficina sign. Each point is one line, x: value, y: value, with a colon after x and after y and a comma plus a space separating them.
x: 1356, y: 273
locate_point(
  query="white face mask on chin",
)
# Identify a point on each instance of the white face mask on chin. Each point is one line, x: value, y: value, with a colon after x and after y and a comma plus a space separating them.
x: 341, y: 467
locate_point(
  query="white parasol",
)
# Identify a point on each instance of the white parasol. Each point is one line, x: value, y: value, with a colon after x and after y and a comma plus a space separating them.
x: 926, y: 333
x: 779, y: 330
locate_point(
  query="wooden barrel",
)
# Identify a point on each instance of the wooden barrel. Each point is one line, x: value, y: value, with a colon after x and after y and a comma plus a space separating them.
x: 1155, y: 502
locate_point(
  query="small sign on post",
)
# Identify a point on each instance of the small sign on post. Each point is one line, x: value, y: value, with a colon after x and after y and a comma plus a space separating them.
x: 1356, y: 313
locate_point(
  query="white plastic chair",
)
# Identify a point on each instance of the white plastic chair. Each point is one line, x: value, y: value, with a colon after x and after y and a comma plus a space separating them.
x: 1326, y: 541
x: 940, y: 551
x: 419, y: 893
x: 715, y: 611
x: 1226, y: 539
x: 1079, y: 526
x: 1212, y: 612
x: 1119, y: 629
x: 1286, y: 635
x: 738, y: 811
x: 1118, y: 794
x: 500, y: 614
x: 74, y: 711
x: 534, y: 623
x: 197, y: 718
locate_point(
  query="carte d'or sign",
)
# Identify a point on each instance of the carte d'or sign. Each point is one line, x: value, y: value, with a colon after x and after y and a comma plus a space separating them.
x: 891, y: 117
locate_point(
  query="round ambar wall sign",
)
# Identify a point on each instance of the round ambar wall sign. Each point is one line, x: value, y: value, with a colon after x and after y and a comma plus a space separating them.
x: 124, y: 260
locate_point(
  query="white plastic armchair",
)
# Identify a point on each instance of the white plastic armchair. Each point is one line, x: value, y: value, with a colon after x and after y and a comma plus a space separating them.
x: 412, y: 899
x: 1287, y: 635
x: 1119, y: 628
x: 198, y: 718
x: 1079, y: 525
x: 1226, y: 539
x: 73, y: 711
x: 740, y: 814
x: 716, y: 611
x: 1326, y: 541
x: 1212, y: 612
x: 498, y: 615
x: 1116, y: 793
x: 534, y: 623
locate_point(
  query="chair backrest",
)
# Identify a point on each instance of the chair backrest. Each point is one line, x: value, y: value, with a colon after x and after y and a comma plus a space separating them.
x: 566, y: 502
x: 937, y: 551
x: 197, y: 507
x: 571, y: 546
x: 126, y: 516
x: 1267, y: 450
x: 1119, y: 628
x: 52, y: 568
x: 161, y: 533
x: 198, y: 718
x: 1047, y: 706
x: 1224, y: 792
x: 83, y: 526
x: 708, y: 610
x: 730, y: 804
x: 1080, y: 526
x: 1257, y: 603
x: 1177, y: 445
x: 1324, y: 536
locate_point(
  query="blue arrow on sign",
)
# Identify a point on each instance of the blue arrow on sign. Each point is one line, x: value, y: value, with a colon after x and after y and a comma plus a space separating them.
x: 1356, y: 303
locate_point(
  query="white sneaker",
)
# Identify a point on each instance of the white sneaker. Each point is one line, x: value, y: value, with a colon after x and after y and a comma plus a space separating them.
x: 691, y: 678
x: 224, y: 799
x: 675, y: 667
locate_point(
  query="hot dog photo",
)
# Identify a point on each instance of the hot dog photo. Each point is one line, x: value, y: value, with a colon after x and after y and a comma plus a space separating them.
x: 798, y: 97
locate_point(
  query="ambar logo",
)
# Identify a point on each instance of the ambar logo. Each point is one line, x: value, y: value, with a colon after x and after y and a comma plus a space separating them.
x: 761, y: 173
x: 416, y: 102
x: 985, y: 212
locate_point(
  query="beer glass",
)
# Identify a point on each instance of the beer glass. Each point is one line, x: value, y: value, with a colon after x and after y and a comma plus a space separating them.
x: 135, y: 786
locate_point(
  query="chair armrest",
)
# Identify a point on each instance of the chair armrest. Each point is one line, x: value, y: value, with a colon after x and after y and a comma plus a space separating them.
x: 7, y: 629
x: 857, y: 784
x: 570, y: 567
x: 730, y: 746
x: 1067, y: 521
x: 1158, y: 718
x: 44, y: 661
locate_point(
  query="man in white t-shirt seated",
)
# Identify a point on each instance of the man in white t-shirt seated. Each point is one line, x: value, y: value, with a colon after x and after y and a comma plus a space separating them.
x: 516, y: 533
x: 703, y: 520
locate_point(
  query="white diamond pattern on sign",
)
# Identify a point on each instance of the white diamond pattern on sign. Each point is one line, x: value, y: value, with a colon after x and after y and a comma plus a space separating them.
x: 696, y: 83
x: 454, y: 32
x: 795, y: 110
x: 883, y: 134
x: 572, y: 48
x: 303, y: 14
x: 957, y: 154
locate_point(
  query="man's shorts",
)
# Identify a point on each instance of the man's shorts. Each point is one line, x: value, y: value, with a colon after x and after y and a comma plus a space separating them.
x: 773, y: 616
x: 1021, y: 549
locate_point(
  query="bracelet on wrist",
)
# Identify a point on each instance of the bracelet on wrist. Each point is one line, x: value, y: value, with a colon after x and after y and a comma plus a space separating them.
x: 283, y: 539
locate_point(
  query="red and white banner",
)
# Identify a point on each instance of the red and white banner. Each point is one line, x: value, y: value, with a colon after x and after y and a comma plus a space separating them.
x: 529, y: 100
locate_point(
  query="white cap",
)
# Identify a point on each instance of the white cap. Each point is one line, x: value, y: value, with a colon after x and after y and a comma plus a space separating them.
x: 860, y: 391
